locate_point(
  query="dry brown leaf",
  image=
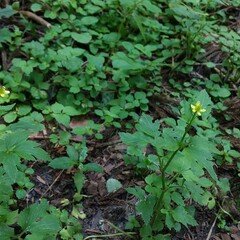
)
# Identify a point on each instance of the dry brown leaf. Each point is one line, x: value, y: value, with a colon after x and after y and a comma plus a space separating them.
x: 225, y: 236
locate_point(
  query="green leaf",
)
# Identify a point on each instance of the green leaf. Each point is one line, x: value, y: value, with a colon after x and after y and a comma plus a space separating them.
x: 89, y: 20
x: 62, y: 163
x: 121, y: 61
x: 62, y: 118
x: 182, y: 216
x: 6, y: 192
x: 41, y: 154
x: 21, y: 194
x: 113, y: 185
x: 200, y: 150
x: 92, y: 167
x: 137, y: 139
x: 11, y: 169
x: 32, y: 214
x: 79, y: 180
x: 11, y: 217
x: 71, y: 111
x: 7, y: 12
x: 10, y: 117
x: 36, y: 7
x: 184, y: 10
x: 204, y: 98
x: 82, y: 37
x: 5, y: 36
x: 6, y: 232
x: 72, y: 153
x: 147, y: 126
x: 177, y: 198
x: 137, y: 192
x: 24, y: 110
x: 48, y: 225
x: 145, y: 207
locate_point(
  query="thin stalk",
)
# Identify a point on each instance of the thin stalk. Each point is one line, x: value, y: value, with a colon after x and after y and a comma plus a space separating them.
x: 119, y: 229
x: 107, y: 235
x: 164, y: 188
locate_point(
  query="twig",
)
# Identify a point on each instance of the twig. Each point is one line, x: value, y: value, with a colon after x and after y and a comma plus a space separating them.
x: 4, y: 60
x: 211, y: 229
x: 107, y: 235
x: 36, y: 18
x: 6, y: 2
x: 118, y: 229
x: 92, y: 231
x: 50, y: 187
x: 105, y: 144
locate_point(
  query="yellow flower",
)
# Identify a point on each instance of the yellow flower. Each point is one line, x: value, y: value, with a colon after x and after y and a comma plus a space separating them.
x: 3, y: 92
x: 198, y: 108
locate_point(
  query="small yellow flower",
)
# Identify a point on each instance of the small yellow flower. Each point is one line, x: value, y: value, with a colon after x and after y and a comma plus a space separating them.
x: 198, y: 108
x: 3, y: 91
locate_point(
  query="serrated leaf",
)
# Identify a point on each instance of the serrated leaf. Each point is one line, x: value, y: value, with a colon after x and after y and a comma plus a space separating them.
x: 79, y: 180
x: 24, y: 110
x: 204, y: 98
x: 62, y: 118
x: 11, y: 169
x: 32, y: 213
x: 62, y: 163
x: 6, y: 232
x: 41, y: 154
x: 200, y: 150
x: 137, y: 192
x: 137, y: 139
x: 147, y: 126
x: 92, y: 167
x: 48, y: 225
x: 10, y: 117
x: 89, y: 20
x: 82, y: 37
x: 182, y: 216
x: 177, y: 198
x: 145, y: 207
x: 36, y: 7
x: 6, y: 108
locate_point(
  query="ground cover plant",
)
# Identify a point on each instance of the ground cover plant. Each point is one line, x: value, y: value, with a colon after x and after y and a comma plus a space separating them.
x: 119, y: 119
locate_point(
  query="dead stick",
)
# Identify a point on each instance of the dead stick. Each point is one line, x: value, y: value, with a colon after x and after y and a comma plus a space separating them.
x: 50, y: 187
x: 211, y: 229
x: 4, y: 60
x: 36, y: 18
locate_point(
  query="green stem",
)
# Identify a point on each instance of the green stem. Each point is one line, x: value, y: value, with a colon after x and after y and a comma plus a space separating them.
x: 164, y: 188
x: 119, y: 230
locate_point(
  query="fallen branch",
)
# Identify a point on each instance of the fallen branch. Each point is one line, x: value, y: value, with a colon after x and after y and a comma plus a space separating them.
x: 211, y: 229
x: 50, y: 187
x: 36, y: 18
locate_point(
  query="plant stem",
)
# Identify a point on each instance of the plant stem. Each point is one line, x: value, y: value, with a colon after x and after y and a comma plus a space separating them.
x: 119, y: 230
x: 108, y: 235
x: 164, y: 188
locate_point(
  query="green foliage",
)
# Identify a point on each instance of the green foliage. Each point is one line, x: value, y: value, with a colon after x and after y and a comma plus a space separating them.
x: 88, y: 59
x: 6, y: 12
x: 113, y: 185
x: 107, y: 59
x: 179, y: 167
